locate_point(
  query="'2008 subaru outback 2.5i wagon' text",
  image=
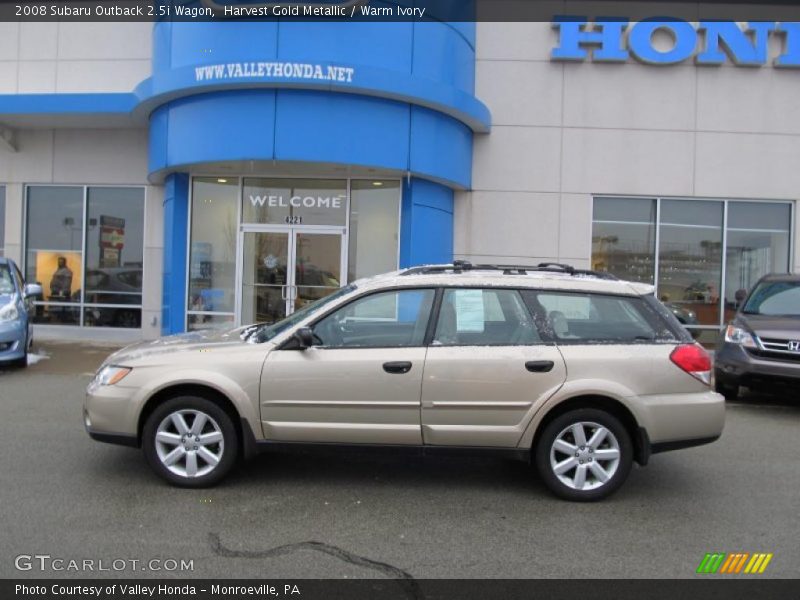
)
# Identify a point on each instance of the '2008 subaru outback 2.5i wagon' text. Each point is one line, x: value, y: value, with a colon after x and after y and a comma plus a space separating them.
x: 573, y: 370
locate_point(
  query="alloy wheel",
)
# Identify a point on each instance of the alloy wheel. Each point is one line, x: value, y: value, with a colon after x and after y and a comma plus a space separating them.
x: 189, y: 443
x: 585, y: 455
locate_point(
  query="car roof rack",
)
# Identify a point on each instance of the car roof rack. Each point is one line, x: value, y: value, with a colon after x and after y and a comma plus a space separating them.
x: 460, y: 266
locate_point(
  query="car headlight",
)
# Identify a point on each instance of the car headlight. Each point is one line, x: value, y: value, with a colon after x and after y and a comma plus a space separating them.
x: 111, y: 375
x: 9, y: 313
x: 737, y: 335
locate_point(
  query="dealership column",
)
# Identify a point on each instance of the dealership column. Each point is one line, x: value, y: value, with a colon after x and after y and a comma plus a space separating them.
x: 176, y: 220
x: 426, y: 230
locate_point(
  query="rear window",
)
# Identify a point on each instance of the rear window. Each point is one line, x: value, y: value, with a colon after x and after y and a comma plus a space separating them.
x: 582, y: 318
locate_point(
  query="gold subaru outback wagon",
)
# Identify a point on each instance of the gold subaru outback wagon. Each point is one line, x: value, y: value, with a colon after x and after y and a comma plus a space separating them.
x: 574, y: 371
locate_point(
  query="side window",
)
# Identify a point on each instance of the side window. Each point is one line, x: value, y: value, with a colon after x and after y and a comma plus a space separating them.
x: 393, y: 319
x: 484, y: 317
x: 595, y: 318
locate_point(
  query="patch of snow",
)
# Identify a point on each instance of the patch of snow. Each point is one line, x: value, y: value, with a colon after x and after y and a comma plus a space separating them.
x: 34, y: 358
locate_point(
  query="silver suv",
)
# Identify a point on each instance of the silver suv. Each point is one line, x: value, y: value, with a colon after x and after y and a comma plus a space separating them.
x: 571, y: 370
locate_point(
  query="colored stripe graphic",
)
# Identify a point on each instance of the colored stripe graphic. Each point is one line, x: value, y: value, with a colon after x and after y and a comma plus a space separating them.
x: 711, y: 562
x: 733, y: 563
x: 758, y: 564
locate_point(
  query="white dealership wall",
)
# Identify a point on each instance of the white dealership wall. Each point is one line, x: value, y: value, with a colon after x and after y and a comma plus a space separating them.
x: 564, y: 132
x: 39, y: 57
x: 80, y: 58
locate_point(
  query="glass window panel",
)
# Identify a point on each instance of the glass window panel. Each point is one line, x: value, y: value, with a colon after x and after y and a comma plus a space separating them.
x: 198, y: 321
x: 2, y: 219
x: 690, y: 257
x: 759, y: 215
x: 264, y: 276
x: 96, y: 316
x: 295, y: 201
x: 114, y: 251
x: 212, y: 259
x: 386, y: 320
x: 758, y: 243
x: 633, y: 210
x: 624, y: 238
x: 54, y: 242
x: 696, y: 213
x: 318, y: 265
x: 473, y: 317
x: 374, y: 227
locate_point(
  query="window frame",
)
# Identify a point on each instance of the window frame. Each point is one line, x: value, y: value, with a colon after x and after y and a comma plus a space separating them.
x: 727, y: 202
x: 82, y: 305
x: 281, y: 174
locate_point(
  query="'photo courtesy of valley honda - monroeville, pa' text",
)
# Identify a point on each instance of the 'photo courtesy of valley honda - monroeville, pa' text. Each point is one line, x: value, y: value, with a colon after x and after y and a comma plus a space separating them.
x: 399, y: 299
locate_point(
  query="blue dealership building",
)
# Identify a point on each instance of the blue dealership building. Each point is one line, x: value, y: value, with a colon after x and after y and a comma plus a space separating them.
x: 212, y: 173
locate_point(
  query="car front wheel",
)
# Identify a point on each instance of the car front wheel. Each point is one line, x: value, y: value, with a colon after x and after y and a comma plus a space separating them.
x: 584, y: 455
x: 190, y: 441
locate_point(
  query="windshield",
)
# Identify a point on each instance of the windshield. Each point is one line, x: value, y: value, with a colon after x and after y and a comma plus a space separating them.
x: 775, y: 298
x: 264, y: 333
x: 6, y: 285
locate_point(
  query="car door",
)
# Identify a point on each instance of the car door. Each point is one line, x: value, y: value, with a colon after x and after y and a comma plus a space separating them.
x: 360, y: 382
x: 486, y: 370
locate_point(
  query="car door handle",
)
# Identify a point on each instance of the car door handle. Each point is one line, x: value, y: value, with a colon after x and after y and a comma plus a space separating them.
x: 397, y: 367
x: 540, y: 366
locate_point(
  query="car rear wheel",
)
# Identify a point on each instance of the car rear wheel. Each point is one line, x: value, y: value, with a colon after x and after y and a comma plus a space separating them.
x: 584, y: 455
x: 190, y: 442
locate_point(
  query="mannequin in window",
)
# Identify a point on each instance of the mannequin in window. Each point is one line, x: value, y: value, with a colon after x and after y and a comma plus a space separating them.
x: 61, y: 282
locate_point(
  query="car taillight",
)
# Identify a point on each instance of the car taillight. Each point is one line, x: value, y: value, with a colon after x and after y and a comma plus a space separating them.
x: 693, y: 359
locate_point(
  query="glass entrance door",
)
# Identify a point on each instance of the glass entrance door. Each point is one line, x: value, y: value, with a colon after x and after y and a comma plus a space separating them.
x: 282, y: 269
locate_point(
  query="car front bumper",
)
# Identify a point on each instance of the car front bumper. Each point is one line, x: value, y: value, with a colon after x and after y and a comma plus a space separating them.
x: 109, y: 415
x: 733, y: 365
x: 13, y: 335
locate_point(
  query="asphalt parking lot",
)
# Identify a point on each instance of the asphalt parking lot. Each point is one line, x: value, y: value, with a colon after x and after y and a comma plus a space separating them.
x: 305, y: 516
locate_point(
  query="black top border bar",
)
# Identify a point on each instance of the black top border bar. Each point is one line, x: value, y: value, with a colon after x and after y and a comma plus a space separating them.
x: 464, y: 11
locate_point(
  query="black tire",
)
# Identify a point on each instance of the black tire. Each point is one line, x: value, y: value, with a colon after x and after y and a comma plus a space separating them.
x: 228, y: 450
x: 22, y: 362
x: 595, y: 490
x: 729, y: 390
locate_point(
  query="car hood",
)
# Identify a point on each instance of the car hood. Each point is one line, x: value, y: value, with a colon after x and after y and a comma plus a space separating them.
x: 182, y: 342
x: 771, y: 327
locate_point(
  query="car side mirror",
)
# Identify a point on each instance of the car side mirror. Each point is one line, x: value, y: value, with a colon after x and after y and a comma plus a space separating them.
x: 32, y: 290
x: 304, y: 338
